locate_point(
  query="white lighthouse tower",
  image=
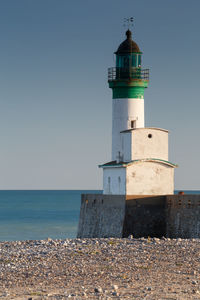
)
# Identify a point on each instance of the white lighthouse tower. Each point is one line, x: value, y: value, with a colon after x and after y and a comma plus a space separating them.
x: 139, y: 164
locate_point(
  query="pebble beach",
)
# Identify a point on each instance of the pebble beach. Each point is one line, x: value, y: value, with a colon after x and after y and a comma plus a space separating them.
x: 100, y: 269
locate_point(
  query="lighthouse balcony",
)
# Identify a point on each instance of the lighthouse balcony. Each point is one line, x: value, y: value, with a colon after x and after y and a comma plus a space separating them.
x: 128, y: 74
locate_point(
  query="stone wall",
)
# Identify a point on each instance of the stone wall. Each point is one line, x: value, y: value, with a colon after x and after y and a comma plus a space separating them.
x: 173, y: 216
x: 183, y: 216
x: 101, y: 216
x: 145, y: 217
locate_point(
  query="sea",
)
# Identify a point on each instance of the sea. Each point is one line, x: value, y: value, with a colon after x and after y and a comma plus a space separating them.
x: 38, y: 215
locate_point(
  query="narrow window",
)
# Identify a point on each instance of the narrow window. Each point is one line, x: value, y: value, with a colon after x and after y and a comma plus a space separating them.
x: 133, y: 124
x: 108, y: 185
x: 119, y: 184
x: 137, y: 60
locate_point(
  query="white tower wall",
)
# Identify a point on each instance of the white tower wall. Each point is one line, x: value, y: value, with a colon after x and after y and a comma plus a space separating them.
x: 127, y: 113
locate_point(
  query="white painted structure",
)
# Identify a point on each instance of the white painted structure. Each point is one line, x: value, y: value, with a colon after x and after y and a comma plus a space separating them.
x: 139, y: 163
x: 142, y: 177
x: 143, y: 167
x: 149, y: 178
x: 114, y: 181
x: 144, y: 143
x: 127, y: 113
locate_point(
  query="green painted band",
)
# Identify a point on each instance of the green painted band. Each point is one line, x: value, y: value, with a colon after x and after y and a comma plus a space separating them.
x: 128, y: 92
x: 128, y: 83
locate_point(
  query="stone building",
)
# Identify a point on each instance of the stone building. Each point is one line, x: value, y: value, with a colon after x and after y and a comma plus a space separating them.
x: 138, y: 183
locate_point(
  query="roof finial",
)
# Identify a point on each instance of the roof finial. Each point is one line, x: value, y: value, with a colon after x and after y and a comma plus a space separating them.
x: 129, y: 34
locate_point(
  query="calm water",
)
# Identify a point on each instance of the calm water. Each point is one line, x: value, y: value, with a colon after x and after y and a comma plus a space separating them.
x: 28, y: 215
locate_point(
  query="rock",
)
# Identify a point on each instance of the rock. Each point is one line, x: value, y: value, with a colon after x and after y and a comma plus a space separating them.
x: 156, y: 240
x: 5, y: 295
x: 98, y: 290
x: 193, y: 272
x: 115, y: 287
x: 99, y: 268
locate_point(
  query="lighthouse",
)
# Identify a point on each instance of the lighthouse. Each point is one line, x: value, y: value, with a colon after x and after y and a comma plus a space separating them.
x: 138, y: 181
x: 139, y: 163
x: 128, y: 82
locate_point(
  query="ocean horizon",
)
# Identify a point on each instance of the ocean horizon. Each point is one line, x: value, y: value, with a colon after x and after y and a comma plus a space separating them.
x: 42, y: 214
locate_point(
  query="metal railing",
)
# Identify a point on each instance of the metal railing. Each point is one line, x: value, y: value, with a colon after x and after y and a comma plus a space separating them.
x: 127, y: 73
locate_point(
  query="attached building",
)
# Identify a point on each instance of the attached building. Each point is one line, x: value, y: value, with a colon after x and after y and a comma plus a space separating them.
x: 142, y: 166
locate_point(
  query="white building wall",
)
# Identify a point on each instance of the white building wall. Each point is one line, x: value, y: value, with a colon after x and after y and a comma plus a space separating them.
x: 149, y: 178
x: 125, y: 110
x: 126, y: 138
x: 143, y: 143
x: 114, y: 181
x: 149, y: 143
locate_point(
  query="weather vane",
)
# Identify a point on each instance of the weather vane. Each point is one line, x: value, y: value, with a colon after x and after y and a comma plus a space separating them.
x: 128, y: 22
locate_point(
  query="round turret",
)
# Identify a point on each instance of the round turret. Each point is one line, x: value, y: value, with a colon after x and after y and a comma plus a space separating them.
x: 128, y: 55
x: 128, y: 67
x: 128, y: 46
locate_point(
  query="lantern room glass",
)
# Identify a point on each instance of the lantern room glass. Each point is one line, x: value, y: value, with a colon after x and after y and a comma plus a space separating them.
x: 128, y: 60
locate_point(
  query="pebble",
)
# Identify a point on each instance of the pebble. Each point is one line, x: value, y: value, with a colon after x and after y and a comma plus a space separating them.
x: 98, y: 290
x: 115, y: 287
x: 100, y: 269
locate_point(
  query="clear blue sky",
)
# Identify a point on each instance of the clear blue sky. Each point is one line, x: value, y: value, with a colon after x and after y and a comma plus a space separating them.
x: 55, y: 104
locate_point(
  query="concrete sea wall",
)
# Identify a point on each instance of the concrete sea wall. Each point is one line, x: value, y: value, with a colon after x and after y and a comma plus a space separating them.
x: 101, y: 216
x: 173, y: 216
x: 183, y: 216
x: 145, y: 217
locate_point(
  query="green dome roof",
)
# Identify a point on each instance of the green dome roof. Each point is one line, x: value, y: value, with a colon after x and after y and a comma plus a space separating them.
x: 128, y: 46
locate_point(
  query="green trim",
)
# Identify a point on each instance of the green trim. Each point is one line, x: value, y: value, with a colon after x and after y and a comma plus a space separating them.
x: 128, y: 83
x: 128, y: 89
x: 125, y: 164
x: 136, y: 92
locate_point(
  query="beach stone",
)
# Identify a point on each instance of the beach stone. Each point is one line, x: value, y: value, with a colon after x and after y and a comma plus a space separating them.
x: 115, y: 287
x: 157, y: 240
x: 98, y: 290
x: 61, y: 269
